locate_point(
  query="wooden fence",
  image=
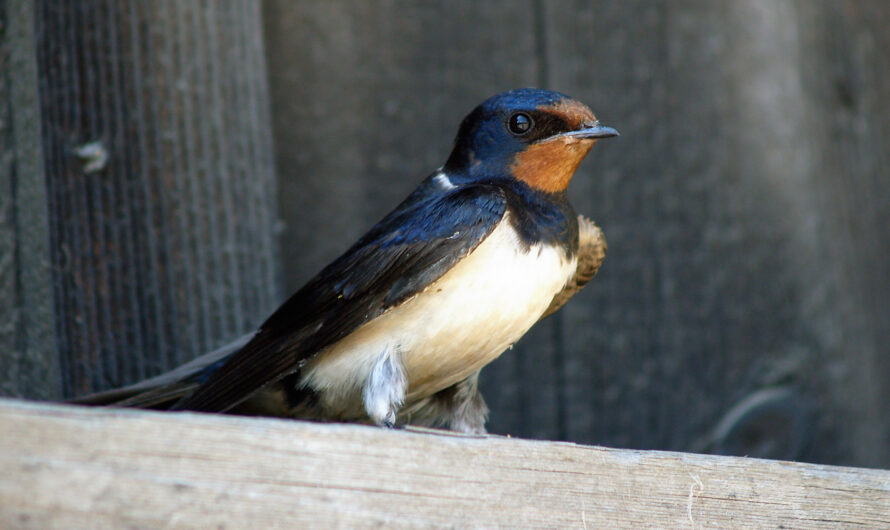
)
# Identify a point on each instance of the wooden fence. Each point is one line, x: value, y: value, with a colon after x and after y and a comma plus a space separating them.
x: 742, y: 306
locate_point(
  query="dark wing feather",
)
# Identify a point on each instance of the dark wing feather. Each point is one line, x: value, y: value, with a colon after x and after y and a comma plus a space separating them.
x: 409, y: 249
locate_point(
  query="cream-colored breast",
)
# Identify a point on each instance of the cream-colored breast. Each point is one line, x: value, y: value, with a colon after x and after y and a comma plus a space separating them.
x: 455, y: 326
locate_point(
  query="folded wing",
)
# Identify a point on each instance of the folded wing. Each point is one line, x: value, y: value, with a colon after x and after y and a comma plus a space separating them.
x: 399, y: 257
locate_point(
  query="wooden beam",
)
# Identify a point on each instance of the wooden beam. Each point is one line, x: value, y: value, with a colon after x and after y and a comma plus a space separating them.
x: 67, y: 466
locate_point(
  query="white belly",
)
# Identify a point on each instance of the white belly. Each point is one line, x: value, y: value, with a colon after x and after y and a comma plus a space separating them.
x: 454, y: 327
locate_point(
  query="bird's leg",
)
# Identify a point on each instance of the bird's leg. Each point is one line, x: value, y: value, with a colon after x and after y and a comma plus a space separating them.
x: 467, y: 410
x: 459, y: 407
x: 385, y: 388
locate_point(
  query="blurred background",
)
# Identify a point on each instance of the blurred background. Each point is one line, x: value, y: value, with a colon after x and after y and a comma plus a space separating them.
x: 171, y: 171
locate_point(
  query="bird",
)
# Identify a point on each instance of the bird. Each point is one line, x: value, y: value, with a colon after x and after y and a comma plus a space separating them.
x: 396, y: 330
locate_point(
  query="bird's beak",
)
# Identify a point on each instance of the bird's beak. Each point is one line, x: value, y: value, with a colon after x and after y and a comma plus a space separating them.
x: 589, y: 131
x: 593, y: 131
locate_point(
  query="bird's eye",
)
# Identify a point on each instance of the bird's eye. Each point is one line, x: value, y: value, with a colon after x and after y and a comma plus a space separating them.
x: 520, y: 123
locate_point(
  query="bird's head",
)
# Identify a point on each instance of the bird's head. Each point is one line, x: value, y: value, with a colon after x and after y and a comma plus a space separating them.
x: 536, y: 136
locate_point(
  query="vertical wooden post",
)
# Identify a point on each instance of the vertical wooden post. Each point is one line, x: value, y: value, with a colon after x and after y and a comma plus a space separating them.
x: 29, y: 363
x: 159, y: 183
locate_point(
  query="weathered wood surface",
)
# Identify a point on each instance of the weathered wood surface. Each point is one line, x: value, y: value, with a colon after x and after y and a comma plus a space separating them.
x: 28, y: 357
x: 745, y: 202
x: 72, y: 467
x: 160, y: 185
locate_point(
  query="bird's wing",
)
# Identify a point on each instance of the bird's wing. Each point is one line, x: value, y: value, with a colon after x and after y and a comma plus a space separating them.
x: 591, y: 253
x: 404, y: 253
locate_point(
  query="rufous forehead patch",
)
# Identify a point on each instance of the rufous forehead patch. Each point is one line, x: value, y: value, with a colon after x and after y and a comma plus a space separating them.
x: 572, y: 111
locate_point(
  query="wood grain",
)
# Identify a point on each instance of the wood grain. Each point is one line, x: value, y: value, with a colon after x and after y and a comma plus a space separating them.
x: 27, y: 346
x: 160, y: 231
x: 67, y: 467
x: 745, y: 202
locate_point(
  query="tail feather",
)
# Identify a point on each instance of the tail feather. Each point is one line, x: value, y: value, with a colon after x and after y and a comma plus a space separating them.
x: 162, y: 391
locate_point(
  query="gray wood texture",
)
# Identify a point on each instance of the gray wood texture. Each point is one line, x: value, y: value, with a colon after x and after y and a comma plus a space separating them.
x: 28, y: 357
x: 159, y: 183
x: 70, y: 467
x: 742, y: 308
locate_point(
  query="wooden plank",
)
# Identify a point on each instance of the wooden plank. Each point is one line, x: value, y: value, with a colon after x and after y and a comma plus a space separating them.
x: 745, y: 207
x: 67, y: 467
x: 28, y: 349
x: 847, y: 80
x: 160, y: 182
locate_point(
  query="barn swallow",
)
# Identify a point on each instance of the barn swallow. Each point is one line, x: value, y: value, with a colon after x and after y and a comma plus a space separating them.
x: 397, y: 328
